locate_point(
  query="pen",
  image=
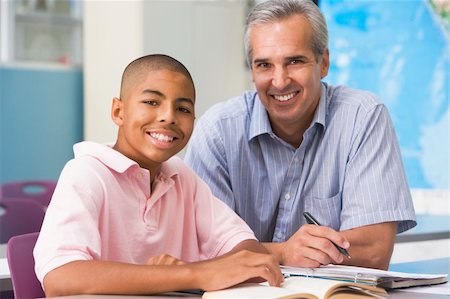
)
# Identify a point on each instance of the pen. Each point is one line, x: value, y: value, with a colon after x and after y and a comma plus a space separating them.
x: 311, y: 220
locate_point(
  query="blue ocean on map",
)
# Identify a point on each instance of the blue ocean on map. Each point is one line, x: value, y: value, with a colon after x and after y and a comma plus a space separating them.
x: 400, y: 51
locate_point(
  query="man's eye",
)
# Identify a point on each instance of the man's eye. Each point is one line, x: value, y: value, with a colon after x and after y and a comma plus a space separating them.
x: 262, y: 65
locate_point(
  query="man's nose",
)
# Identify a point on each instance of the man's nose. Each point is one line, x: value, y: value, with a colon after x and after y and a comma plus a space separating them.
x: 281, y: 77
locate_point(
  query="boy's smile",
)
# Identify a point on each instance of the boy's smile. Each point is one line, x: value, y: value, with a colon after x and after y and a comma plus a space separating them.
x: 155, y: 117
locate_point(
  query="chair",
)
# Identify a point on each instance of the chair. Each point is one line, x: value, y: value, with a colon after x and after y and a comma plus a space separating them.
x: 21, y: 266
x: 39, y: 190
x: 19, y: 216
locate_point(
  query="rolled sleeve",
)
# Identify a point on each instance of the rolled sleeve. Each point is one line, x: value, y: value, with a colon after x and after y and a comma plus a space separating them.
x: 375, y: 188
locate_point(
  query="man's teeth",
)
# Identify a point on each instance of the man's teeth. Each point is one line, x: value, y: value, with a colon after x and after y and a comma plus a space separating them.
x: 284, y: 98
x: 161, y: 137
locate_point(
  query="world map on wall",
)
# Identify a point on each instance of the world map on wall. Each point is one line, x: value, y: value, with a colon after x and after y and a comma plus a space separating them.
x: 399, y: 49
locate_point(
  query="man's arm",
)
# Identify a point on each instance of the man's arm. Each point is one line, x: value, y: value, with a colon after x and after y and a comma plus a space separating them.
x: 311, y: 246
x: 244, y: 262
x: 371, y: 245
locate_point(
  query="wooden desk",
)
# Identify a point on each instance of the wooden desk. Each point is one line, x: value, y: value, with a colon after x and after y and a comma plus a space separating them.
x: 429, y: 227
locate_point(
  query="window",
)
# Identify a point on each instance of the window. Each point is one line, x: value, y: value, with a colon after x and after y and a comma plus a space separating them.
x: 46, y: 31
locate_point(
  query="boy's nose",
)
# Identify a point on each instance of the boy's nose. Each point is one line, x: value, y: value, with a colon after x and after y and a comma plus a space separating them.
x: 167, y: 114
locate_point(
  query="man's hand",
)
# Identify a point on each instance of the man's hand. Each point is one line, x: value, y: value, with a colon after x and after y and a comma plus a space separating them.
x: 311, y: 246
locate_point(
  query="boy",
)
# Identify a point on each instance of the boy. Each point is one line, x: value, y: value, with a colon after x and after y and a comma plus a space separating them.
x: 133, y: 219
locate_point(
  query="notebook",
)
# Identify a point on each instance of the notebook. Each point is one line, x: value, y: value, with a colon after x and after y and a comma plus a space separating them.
x: 368, y: 276
x: 300, y: 287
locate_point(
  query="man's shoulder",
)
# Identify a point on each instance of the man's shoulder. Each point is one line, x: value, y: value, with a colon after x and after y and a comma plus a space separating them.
x: 344, y: 95
x: 235, y: 107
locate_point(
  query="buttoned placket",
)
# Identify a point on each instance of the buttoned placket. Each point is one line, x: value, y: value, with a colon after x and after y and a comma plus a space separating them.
x: 288, y: 195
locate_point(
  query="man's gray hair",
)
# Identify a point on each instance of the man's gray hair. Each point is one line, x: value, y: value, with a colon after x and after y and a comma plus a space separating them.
x: 277, y: 10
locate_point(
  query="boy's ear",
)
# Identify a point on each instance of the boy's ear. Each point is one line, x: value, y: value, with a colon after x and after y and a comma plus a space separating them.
x: 117, y: 111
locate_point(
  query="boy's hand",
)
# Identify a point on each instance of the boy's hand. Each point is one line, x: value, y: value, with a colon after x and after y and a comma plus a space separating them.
x: 234, y: 268
x: 164, y: 259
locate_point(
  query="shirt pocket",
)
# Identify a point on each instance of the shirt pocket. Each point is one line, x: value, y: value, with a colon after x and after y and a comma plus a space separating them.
x: 327, y: 211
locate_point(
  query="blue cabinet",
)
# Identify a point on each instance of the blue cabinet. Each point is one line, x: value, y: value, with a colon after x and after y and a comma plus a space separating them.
x: 41, y: 117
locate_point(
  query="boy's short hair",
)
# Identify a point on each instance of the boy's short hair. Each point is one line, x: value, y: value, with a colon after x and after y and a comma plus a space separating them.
x: 152, y: 62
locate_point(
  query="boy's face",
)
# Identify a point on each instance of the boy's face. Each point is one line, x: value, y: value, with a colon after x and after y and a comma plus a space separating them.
x: 155, y: 117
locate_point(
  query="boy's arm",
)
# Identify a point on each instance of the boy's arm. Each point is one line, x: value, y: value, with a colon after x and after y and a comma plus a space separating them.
x: 251, y: 245
x: 100, y: 277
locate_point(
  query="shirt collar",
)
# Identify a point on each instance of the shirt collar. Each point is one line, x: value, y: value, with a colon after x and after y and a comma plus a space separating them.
x: 322, y: 108
x: 116, y: 160
x: 260, y: 124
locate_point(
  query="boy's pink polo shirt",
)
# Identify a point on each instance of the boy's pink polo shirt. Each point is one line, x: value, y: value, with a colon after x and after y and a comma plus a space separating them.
x: 103, y: 208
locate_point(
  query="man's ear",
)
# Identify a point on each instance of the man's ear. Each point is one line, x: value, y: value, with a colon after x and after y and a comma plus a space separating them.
x: 325, y: 64
x: 117, y: 111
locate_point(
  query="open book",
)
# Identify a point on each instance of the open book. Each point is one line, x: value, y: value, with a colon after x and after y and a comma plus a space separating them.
x: 368, y: 276
x: 300, y: 287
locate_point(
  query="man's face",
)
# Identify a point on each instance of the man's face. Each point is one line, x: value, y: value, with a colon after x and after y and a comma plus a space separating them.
x: 155, y: 118
x: 285, y: 70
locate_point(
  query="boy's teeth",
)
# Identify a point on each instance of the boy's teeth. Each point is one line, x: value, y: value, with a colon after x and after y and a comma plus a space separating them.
x: 284, y: 98
x: 162, y: 137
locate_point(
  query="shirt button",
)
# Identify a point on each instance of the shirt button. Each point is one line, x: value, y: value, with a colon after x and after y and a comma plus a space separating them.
x: 139, y: 175
x: 287, y: 196
x: 279, y: 236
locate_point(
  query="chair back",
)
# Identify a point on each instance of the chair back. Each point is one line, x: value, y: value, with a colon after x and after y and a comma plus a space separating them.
x: 21, y: 266
x: 19, y: 216
x: 39, y: 190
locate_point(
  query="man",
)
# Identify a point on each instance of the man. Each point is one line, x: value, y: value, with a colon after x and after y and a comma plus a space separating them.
x: 300, y: 145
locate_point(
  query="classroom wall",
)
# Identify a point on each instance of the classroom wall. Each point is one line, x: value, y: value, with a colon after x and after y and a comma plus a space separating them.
x: 110, y: 41
x: 40, y: 120
x: 205, y: 35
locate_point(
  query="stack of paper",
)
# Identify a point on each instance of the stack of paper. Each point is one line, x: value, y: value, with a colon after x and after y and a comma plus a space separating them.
x: 381, y: 278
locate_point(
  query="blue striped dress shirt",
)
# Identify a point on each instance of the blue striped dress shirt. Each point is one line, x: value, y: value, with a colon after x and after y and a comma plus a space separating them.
x: 347, y: 172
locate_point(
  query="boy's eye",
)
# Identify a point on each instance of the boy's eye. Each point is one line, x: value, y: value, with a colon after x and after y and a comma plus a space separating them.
x: 151, y: 102
x: 185, y: 110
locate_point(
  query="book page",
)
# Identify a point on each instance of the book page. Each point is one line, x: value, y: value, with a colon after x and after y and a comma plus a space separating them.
x: 293, y: 287
x: 252, y: 291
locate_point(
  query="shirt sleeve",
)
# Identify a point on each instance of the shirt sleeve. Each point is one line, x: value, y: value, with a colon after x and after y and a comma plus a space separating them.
x: 219, y: 228
x: 70, y: 228
x: 375, y: 188
x: 206, y: 156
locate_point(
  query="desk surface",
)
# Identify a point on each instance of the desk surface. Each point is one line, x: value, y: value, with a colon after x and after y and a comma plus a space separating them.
x: 435, y: 266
